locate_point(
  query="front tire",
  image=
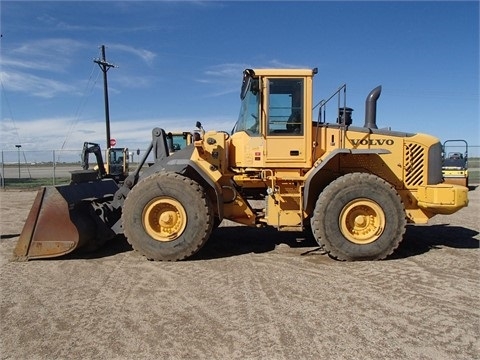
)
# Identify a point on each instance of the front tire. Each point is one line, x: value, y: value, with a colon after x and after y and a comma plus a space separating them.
x: 167, y: 217
x: 359, y: 216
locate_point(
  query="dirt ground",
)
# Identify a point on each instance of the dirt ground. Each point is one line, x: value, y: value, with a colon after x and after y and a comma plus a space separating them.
x: 248, y: 294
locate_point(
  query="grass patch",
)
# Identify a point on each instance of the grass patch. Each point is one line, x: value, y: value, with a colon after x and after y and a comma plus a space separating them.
x: 33, y: 183
x: 473, y: 162
x: 474, y: 176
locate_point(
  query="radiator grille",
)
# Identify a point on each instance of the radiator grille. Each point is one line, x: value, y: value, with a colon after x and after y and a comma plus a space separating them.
x: 415, y: 164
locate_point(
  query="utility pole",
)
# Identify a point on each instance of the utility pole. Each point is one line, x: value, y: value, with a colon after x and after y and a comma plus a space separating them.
x: 105, y: 66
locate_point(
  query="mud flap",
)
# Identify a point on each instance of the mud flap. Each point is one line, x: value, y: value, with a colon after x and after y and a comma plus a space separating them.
x: 64, y: 218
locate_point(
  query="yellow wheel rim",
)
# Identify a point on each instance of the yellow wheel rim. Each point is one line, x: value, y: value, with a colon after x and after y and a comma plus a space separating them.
x: 164, y: 219
x: 362, y: 221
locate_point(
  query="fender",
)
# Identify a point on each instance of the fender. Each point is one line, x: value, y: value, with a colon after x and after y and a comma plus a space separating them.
x: 308, y: 200
x: 181, y: 163
x: 203, y: 178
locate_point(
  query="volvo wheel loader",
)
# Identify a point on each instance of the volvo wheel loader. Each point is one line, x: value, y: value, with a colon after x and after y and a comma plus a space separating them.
x: 355, y: 187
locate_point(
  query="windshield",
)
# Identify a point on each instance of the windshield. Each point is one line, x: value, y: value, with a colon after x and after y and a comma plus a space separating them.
x: 179, y: 141
x: 116, y: 156
x: 248, y: 120
x: 116, y: 161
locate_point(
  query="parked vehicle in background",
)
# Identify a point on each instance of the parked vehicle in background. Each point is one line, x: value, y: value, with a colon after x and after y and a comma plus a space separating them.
x: 455, y: 163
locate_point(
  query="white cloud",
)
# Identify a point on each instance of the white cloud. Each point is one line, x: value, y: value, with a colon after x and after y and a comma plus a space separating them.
x: 63, y: 132
x: 132, y: 82
x: 224, y: 73
x: 8, y: 62
x: 54, y: 54
x: 30, y: 67
x: 274, y: 63
x: 146, y: 55
x: 226, y: 70
x: 34, y: 85
x: 226, y: 78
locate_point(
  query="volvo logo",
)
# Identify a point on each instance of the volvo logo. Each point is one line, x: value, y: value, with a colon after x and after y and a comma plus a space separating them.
x: 371, y: 142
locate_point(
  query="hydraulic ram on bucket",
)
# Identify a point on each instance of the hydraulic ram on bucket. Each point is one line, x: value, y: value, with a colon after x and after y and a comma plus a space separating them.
x: 67, y: 217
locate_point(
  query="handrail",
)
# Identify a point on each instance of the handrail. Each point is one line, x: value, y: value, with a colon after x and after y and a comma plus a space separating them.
x: 322, y: 104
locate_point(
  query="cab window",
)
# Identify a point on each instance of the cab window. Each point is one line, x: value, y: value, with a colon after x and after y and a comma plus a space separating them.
x: 285, y: 107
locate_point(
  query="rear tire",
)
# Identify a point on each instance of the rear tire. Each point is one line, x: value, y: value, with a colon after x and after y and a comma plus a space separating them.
x: 359, y: 216
x: 167, y: 217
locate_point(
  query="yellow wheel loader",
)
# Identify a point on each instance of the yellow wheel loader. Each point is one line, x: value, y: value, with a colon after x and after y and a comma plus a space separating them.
x: 355, y: 187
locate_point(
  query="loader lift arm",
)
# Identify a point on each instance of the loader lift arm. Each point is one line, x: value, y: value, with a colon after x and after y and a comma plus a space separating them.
x: 89, y: 148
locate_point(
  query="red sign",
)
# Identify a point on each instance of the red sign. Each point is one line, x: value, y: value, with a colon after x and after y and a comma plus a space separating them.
x: 113, y: 142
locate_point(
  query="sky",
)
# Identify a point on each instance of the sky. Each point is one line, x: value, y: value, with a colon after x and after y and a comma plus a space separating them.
x: 178, y: 62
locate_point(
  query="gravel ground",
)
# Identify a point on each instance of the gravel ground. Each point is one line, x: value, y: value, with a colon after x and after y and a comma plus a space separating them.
x: 248, y: 294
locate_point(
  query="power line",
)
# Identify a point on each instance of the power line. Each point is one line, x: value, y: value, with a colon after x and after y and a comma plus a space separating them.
x: 10, y: 111
x: 81, y: 106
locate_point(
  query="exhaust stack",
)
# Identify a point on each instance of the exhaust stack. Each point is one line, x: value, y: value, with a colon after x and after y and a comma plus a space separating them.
x: 371, y: 108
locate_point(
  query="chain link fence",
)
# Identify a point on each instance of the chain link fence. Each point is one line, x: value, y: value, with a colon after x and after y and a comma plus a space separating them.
x: 32, y: 169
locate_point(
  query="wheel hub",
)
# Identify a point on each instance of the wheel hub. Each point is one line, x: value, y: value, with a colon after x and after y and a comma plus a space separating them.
x: 167, y: 219
x: 362, y: 221
x: 164, y: 219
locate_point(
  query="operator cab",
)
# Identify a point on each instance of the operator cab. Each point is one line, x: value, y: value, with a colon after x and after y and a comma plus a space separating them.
x: 117, y: 165
x: 273, y: 117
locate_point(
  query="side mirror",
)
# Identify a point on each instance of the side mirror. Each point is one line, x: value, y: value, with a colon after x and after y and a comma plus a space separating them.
x: 199, y: 126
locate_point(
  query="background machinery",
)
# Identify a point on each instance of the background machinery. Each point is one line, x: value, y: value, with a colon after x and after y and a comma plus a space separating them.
x: 178, y: 140
x: 117, y: 165
x: 115, y: 168
x: 354, y: 187
x: 455, y: 162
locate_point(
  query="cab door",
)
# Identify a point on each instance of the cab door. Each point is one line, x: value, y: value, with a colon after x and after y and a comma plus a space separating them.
x: 285, y: 133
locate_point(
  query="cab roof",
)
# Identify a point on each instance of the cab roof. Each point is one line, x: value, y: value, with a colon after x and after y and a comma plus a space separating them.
x: 283, y: 72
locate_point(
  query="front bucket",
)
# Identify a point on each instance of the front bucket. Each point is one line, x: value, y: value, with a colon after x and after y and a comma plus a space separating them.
x: 61, y: 221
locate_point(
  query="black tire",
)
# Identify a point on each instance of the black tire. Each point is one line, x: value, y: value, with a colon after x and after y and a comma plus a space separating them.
x: 216, y: 222
x: 359, y: 216
x: 167, y: 217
